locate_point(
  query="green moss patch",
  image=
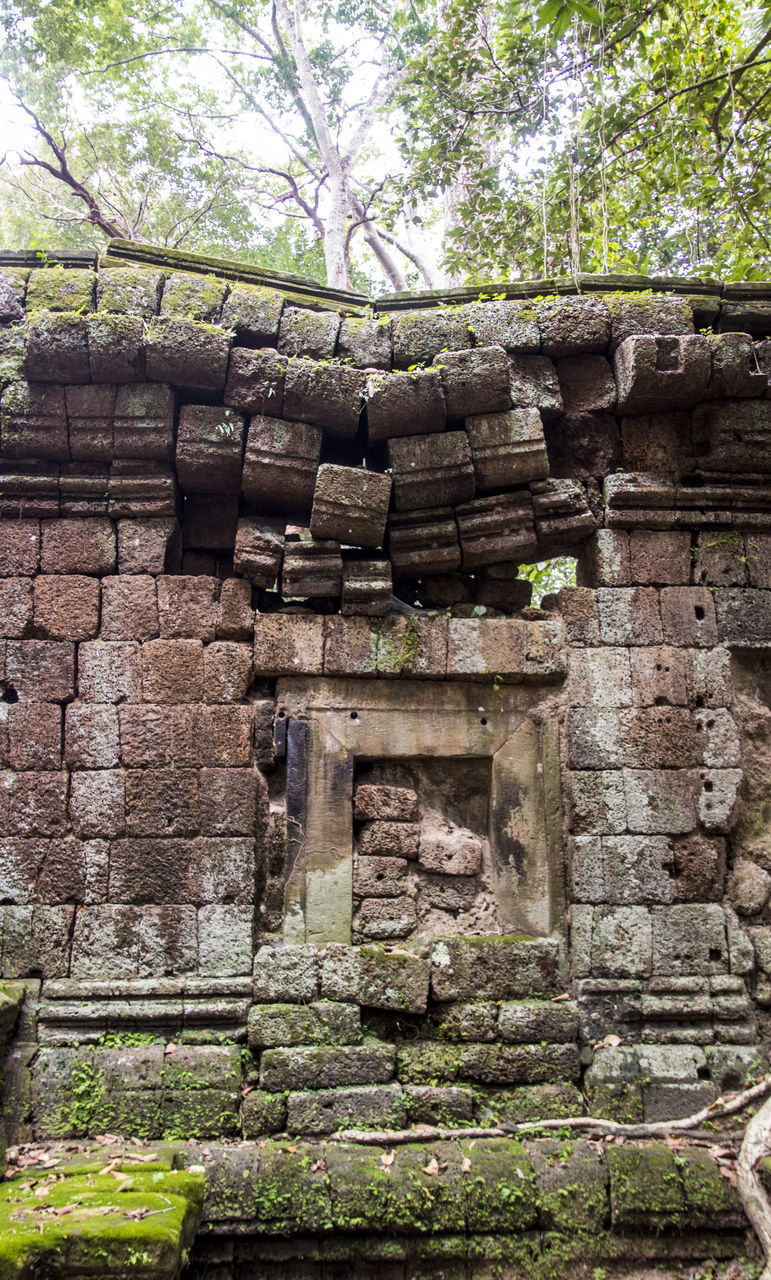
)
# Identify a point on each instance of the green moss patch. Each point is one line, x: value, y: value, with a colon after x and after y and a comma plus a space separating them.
x: 133, y: 1222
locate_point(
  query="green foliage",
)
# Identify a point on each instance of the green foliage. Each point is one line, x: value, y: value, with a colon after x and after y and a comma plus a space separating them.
x: 549, y: 576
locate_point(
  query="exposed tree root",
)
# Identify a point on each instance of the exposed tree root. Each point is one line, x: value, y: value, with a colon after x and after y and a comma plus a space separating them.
x: 756, y: 1145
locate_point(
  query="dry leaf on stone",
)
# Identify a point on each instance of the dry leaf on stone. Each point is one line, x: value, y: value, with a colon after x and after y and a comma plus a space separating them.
x: 466, y: 1165
x: 387, y: 1159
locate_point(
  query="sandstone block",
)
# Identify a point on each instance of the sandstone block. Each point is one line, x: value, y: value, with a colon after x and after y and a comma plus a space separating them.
x: 280, y: 465
x: 172, y: 670
x: 303, y: 332
x: 438, y: 467
x: 209, y: 448
x: 258, y: 551
x: 629, y: 616
x: 749, y: 887
x: 109, y: 672
x: 40, y: 670
x: 663, y: 313
x: 709, y: 678
x: 187, y: 353
x: 78, y: 546
x: 495, y: 530
x: 350, y: 505
x: 716, y: 793
x: 475, y: 381
x: 404, y: 404
x: 638, y: 870
x: 509, y: 323
x: 33, y: 422
x: 735, y: 369
x: 288, y: 644
x: 447, y: 893
x: 330, y: 395
x: 143, y: 425
x: 90, y: 412
x: 562, y: 514
x: 499, y: 968
x: 597, y: 738
x: 129, y: 608
x: 661, y: 373
x: 187, y: 607
x: 19, y: 547
x: 743, y: 617
x: 424, y: 542
x: 312, y: 569
x: 507, y: 448
x: 224, y: 735
x: 140, y: 490
x: 262, y: 1113
x: 195, y: 297
x: 255, y: 383
x: 91, y: 739
x: 209, y: 523
x: 227, y: 671
x: 272, y: 1026
x: 510, y: 648
x: 66, y: 607
x: 578, y: 608
x: 379, y: 877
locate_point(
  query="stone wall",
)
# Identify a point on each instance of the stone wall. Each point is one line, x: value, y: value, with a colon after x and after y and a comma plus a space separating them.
x: 308, y: 818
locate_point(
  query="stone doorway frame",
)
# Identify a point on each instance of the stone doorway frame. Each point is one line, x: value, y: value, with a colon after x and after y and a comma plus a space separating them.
x: 331, y: 723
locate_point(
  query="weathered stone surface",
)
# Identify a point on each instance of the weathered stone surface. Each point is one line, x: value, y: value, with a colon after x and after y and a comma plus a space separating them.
x: 129, y: 291
x: 384, y: 919
x: 258, y: 550
x: 658, y: 557
x: 280, y: 465
x: 33, y: 421
x: 66, y: 607
x: 700, y: 868
x: 379, y: 877
x: 433, y: 471
x: 519, y: 1064
x: 447, y: 893
x: 562, y: 514
x: 375, y: 977
x: 659, y: 801
x: 534, y: 1022
x: 143, y: 425
x: 749, y: 887
x: 662, y: 313
x: 90, y: 411
x: 312, y: 568
x: 187, y: 607
x: 453, y: 852
x: 56, y: 347
x: 141, y: 489
x: 573, y: 325
x: 509, y: 648
x: 688, y: 616
x: 424, y: 541
x: 255, y: 381
x: 475, y: 381
x: 288, y: 973
x: 262, y: 1113
x: 253, y: 312
x: 621, y: 942
x: 187, y: 353
x: 735, y: 370
x: 19, y: 547
x: 385, y: 804
x: 209, y: 448
x: 330, y: 395
x: 129, y: 608
x: 350, y: 505
x: 743, y: 617
x: 507, y: 448
x: 597, y: 802
x: 325, y: 1110
x: 303, y: 332
x: 497, y: 968
x: 586, y: 384
x: 367, y: 587
x: 661, y: 373
x: 404, y: 404
x: 286, y: 645
x: 366, y: 343
x: 389, y: 839
x: 496, y: 530
x: 689, y: 939
x: 419, y: 336
x: 324, y: 1022
x: 600, y: 677
x: 116, y: 350
x: 534, y: 384
x: 326, y: 1066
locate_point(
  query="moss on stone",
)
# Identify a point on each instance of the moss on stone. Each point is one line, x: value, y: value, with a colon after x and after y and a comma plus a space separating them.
x: 141, y: 1225
x: 193, y: 297
x: 61, y: 289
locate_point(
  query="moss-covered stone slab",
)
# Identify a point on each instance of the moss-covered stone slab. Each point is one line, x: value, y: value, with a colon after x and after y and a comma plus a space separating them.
x: 123, y: 1221
x: 193, y: 297
x: 60, y: 289
x: 130, y: 291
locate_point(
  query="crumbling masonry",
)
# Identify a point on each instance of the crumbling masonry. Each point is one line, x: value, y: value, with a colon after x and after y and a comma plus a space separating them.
x: 280, y: 855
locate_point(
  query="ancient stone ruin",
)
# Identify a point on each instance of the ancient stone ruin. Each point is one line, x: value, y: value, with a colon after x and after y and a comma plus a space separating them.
x: 312, y: 822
